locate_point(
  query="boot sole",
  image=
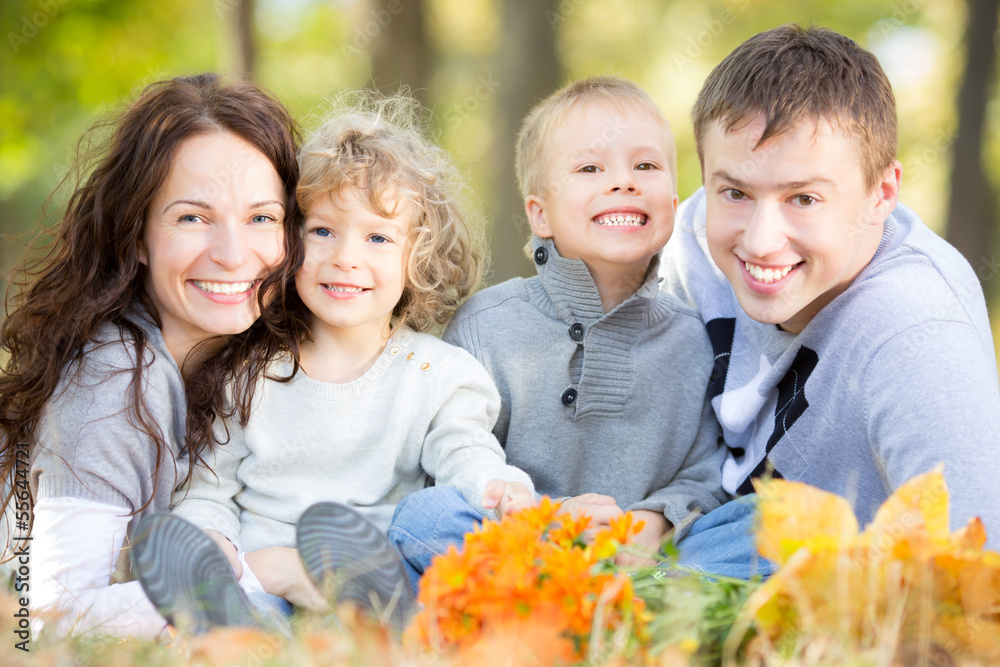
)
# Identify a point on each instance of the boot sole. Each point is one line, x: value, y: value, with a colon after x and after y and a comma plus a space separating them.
x: 187, y: 577
x: 350, y: 560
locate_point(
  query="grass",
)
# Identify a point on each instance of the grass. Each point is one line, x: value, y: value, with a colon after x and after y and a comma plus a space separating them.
x: 692, y: 616
x: 904, y: 591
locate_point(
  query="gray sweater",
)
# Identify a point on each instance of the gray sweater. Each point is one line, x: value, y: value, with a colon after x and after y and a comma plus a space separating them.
x: 896, y: 374
x: 596, y: 402
x: 85, y: 444
x: 424, y: 407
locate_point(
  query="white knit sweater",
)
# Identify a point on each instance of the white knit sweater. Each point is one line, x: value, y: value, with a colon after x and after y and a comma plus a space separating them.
x: 424, y: 408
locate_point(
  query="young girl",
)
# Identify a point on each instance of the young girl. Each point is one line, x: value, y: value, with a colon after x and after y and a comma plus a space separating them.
x: 357, y: 405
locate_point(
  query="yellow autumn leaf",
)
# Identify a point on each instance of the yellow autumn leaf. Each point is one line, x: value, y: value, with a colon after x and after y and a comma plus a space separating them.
x: 905, y: 585
x: 976, y: 578
x: 918, y: 507
x: 972, y: 536
x: 792, y: 515
x: 970, y: 635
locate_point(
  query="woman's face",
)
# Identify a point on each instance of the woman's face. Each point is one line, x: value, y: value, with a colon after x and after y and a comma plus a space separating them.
x: 213, y: 231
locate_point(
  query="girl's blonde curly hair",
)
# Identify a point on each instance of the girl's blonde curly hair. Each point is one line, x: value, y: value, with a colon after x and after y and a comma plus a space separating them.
x: 379, y: 145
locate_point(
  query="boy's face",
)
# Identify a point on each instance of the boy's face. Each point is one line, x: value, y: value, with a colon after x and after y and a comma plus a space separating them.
x: 610, y: 198
x: 791, y: 223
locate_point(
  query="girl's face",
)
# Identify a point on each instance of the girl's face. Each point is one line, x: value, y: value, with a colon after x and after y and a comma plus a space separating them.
x: 354, y: 270
x: 212, y: 232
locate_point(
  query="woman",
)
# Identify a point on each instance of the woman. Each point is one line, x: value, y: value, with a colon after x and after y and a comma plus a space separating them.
x: 117, y: 341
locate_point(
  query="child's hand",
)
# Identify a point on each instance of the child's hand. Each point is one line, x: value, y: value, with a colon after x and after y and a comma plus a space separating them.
x: 229, y: 549
x: 648, y: 540
x: 601, y: 510
x: 507, y: 497
x: 280, y: 572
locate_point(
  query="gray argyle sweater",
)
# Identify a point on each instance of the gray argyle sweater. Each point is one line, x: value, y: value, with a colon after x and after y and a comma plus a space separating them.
x: 895, y: 375
x: 596, y: 402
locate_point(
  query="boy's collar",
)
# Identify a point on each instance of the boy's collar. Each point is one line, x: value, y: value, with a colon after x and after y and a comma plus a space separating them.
x: 571, y: 288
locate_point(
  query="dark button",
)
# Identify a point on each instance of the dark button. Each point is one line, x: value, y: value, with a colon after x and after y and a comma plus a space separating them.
x: 576, y: 331
x: 569, y: 397
x: 541, y: 255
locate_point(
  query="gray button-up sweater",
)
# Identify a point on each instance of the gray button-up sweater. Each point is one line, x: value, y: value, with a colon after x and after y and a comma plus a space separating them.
x: 596, y: 402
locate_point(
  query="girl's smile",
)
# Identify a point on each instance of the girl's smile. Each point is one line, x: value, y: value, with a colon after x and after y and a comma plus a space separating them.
x: 353, y: 274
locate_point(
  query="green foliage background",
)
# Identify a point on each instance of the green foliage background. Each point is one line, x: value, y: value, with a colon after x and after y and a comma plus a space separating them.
x: 66, y: 63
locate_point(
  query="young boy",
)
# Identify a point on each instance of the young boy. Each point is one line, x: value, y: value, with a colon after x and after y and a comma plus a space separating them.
x: 853, y: 347
x: 602, y: 376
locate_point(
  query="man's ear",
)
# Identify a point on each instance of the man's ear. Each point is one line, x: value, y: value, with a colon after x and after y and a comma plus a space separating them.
x: 886, y: 194
x: 534, y: 208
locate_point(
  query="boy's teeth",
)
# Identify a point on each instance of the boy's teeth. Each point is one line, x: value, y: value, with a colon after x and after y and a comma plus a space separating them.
x: 339, y: 288
x: 224, y: 288
x: 767, y: 275
x: 621, y: 220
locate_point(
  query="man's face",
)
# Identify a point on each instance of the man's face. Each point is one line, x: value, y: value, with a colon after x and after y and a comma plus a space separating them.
x: 791, y: 222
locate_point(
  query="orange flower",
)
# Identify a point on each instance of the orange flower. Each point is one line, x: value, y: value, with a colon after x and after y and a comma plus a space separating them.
x: 529, y: 576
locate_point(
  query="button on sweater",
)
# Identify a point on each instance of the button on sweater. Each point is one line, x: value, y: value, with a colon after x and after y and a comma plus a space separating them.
x: 596, y: 402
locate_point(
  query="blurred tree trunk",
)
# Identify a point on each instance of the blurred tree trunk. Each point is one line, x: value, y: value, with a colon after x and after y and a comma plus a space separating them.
x: 972, y: 205
x: 529, y: 70
x: 246, y: 44
x: 400, y: 52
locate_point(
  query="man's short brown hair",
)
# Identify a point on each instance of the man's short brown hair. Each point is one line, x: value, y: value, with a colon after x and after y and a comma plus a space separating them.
x: 792, y: 74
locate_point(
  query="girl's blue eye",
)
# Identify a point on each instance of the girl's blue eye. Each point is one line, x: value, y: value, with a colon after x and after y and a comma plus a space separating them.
x: 321, y: 231
x: 378, y: 238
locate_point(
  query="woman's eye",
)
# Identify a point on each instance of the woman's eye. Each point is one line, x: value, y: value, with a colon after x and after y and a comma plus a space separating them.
x: 264, y: 219
x: 190, y: 218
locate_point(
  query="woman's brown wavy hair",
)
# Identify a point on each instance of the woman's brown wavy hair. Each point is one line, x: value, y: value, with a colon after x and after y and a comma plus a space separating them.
x: 90, y: 273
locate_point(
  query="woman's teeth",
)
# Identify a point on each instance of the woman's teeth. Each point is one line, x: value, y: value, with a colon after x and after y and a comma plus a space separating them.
x: 224, y: 288
x: 767, y: 275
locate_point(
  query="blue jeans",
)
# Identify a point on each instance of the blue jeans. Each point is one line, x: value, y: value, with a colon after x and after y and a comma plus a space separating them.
x: 271, y: 606
x: 722, y: 542
x: 426, y: 523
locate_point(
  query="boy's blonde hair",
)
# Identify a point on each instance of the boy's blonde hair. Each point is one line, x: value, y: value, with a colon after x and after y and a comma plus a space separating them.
x: 378, y: 145
x: 530, y: 160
